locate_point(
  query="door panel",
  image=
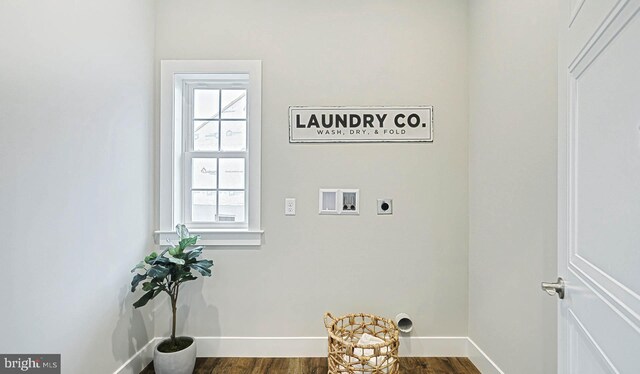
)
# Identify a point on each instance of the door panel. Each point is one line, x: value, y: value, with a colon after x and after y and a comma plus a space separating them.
x: 599, y: 187
x: 607, y: 159
x: 586, y: 357
x: 600, y: 321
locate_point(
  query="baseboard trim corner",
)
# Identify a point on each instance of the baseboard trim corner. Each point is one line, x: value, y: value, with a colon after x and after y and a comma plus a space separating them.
x: 481, y: 360
x: 139, y: 360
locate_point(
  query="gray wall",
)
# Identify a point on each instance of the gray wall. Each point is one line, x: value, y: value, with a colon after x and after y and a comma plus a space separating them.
x: 512, y: 182
x: 339, y: 53
x: 76, y: 186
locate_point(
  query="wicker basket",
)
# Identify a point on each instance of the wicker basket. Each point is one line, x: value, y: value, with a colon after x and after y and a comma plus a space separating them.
x: 347, y: 356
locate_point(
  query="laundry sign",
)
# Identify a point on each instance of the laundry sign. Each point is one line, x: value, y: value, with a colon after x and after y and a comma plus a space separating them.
x: 321, y: 124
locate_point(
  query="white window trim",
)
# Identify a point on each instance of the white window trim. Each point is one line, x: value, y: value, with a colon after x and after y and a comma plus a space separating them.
x: 170, y: 190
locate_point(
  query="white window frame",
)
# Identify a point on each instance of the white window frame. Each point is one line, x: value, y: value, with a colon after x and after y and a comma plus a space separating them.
x: 174, y: 153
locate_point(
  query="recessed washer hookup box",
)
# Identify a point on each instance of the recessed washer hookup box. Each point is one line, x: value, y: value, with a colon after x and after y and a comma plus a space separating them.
x: 326, y: 124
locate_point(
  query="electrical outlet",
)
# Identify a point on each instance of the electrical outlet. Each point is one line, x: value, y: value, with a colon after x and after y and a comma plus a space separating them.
x: 385, y: 206
x: 290, y: 206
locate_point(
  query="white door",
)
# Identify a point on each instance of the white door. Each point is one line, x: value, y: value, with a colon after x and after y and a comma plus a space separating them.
x: 599, y: 187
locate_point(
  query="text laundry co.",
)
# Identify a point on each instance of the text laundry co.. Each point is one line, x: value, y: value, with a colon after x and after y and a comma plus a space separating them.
x: 330, y: 120
x: 360, y: 124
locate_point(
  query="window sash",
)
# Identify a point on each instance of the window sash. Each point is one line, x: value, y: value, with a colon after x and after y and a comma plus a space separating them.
x: 189, y: 87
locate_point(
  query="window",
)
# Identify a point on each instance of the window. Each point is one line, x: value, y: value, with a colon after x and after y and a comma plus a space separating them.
x: 210, y: 150
x: 215, y: 134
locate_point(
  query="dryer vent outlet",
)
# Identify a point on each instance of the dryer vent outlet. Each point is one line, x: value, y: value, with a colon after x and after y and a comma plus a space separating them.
x: 404, y: 322
x: 385, y: 206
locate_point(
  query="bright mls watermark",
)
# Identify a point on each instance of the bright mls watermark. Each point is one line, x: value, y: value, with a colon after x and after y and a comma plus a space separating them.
x: 29, y: 363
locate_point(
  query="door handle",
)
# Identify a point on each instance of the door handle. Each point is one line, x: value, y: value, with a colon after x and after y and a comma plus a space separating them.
x: 554, y: 288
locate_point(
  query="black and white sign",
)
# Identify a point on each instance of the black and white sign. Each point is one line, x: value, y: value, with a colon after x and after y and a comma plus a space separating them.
x: 360, y: 124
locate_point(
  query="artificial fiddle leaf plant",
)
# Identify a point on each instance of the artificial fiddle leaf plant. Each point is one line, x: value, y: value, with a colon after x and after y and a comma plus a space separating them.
x: 166, y: 272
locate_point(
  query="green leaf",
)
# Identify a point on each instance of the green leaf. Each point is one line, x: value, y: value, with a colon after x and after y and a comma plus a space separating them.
x: 151, y: 257
x: 187, y: 242
x: 175, y: 260
x: 148, y: 286
x: 182, y: 231
x: 186, y: 278
x: 140, y: 265
x: 202, y: 267
x: 158, y: 272
x: 204, y: 271
x: 136, y: 280
x: 174, y: 251
x: 194, y: 253
x: 160, y: 261
x: 205, y: 263
x: 145, y: 298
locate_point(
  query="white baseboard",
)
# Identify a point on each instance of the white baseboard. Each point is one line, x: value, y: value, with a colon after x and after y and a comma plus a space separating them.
x: 414, y: 346
x: 140, y: 360
x: 433, y: 346
x: 481, y: 360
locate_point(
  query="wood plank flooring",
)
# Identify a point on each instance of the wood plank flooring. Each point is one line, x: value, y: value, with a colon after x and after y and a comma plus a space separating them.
x: 318, y: 365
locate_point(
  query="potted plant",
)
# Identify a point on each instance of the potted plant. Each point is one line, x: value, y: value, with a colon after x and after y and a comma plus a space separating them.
x: 165, y: 273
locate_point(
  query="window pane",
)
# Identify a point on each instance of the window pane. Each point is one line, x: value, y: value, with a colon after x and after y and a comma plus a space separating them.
x: 206, y: 103
x: 234, y: 136
x: 231, y: 206
x: 205, y: 135
x: 232, y: 173
x: 203, y: 173
x: 234, y: 104
x: 203, y: 206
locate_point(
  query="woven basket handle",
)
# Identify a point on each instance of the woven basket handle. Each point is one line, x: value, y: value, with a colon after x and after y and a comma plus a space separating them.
x: 329, y: 316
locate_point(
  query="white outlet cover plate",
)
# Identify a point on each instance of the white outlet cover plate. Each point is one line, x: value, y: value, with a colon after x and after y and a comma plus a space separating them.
x: 289, y: 206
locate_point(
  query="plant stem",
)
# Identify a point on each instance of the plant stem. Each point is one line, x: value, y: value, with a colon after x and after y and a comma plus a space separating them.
x: 174, y: 302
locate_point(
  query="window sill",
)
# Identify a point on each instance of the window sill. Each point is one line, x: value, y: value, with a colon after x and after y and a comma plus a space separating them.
x: 215, y: 238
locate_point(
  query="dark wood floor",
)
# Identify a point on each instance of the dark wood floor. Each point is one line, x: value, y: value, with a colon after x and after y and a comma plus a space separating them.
x: 408, y: 365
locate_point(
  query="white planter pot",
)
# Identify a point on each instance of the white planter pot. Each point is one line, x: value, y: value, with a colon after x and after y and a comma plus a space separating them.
x: 181, y: 362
